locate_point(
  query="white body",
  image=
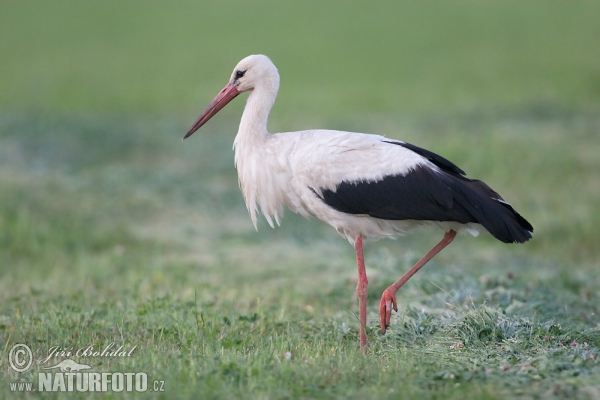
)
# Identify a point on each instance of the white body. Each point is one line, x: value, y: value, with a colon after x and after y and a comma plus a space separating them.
x: 285, y: 168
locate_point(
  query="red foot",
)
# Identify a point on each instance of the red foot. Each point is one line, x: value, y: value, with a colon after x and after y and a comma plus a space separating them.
x: 388, y: 301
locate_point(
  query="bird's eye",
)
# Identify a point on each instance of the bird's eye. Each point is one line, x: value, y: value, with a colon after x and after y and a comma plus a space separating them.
x: 239, y: 74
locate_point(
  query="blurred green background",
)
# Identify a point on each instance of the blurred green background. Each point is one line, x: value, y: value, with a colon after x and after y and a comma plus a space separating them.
x: 335, y: 57
x: 462, y: 78
x: 101, y: 203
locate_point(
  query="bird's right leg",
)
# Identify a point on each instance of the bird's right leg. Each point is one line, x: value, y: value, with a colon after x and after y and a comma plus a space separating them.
x: 361, y: 291
x: 388, y: 299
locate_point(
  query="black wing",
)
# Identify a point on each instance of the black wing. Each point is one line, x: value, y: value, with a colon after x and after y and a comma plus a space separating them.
x: 425, y: 194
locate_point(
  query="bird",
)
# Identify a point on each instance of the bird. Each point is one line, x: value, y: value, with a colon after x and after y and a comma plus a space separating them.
x: 365, y: 186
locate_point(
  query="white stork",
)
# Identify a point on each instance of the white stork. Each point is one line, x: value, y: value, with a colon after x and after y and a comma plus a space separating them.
x: 365, y: 186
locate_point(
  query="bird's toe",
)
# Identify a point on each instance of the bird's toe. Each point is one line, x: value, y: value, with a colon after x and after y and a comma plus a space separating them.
x: 387, y: 303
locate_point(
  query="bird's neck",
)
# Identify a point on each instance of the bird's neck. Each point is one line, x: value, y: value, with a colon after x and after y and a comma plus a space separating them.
x: 253, y: 125
x: 252, y: 159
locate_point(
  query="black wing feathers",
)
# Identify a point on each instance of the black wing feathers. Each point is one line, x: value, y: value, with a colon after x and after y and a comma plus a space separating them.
x: 430, y: 195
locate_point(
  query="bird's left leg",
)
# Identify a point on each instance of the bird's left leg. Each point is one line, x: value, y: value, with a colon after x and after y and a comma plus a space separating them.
x: 361, y: 291
x: 388, y: 299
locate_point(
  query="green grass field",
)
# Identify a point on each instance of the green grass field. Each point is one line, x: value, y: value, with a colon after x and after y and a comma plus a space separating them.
x: 113, y: 230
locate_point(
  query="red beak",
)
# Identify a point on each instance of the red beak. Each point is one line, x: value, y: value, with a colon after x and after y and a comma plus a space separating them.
x: 228, y: 93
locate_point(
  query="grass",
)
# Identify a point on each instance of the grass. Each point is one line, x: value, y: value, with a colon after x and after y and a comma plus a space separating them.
x: 112, y: 230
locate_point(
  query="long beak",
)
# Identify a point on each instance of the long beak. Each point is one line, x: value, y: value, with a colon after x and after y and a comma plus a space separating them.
x: 225, y: 96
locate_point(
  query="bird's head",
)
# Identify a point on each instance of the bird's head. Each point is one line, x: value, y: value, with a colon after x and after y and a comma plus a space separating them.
x: 255, y: 72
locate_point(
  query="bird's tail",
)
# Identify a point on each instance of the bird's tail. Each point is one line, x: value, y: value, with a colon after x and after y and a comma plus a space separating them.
x: 489, y: 209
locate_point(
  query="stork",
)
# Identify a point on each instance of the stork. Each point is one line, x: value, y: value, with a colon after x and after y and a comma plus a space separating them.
x: 365, y: 186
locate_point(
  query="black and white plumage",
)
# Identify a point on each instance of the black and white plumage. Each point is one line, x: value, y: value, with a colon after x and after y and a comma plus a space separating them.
x: 426, y: 193
x: 365, y: 186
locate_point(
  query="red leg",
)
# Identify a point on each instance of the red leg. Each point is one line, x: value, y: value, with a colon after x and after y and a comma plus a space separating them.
x: 361, y: 291
x: 388, y: 299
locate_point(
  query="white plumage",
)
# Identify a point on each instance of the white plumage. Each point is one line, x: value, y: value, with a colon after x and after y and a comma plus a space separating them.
x: 365, y: 186
x: 283, y: 169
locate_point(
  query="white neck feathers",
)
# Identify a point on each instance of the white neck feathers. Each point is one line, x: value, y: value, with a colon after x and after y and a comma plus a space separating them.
x: 253, y: 160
